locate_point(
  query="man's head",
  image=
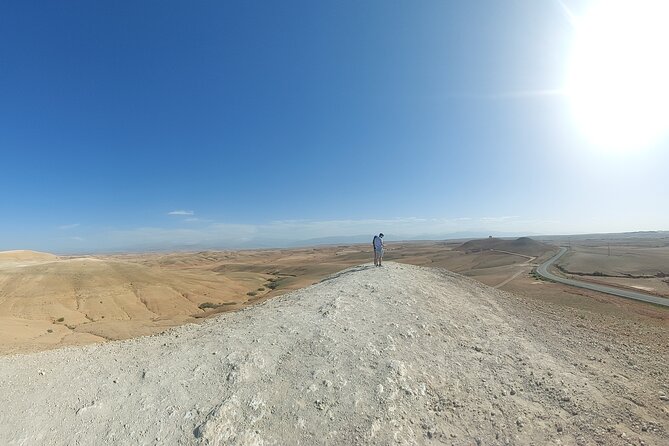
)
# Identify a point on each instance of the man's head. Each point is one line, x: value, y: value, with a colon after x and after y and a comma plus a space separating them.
x: 381, y: 235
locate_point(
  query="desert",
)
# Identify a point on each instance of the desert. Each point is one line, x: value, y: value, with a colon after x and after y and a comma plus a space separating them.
x: 394, y: 355
x: 278, y: 223
x: 186, y: 348
x: 624, y: 263
x: 48, y: 301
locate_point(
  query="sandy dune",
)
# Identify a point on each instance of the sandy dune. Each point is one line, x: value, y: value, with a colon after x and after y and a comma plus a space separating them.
x: 392, y: 355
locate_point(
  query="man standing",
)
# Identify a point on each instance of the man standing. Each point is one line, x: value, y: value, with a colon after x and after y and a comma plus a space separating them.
x: 378, y: 249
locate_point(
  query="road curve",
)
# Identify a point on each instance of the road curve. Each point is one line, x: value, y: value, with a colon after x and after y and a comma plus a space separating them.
x: 543, y: 272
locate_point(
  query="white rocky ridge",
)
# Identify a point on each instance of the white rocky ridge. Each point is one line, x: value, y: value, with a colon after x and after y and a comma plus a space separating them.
x: 398, y: 354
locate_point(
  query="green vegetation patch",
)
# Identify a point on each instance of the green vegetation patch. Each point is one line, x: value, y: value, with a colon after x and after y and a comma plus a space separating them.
x: 213, y: 306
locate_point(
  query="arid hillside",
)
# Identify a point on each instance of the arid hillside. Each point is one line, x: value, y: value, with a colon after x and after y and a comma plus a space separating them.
x: 73, y: 301
x: 522, y: 245
x: 48, y: 301
x: 25, y: 257
x: 393, y: 355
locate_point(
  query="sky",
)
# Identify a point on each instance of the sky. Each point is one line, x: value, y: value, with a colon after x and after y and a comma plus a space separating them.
x: 130, y: 125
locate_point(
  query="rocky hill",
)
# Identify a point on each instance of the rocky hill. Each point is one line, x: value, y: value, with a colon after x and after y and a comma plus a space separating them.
x: 522, y: 245
x: 393, y: 355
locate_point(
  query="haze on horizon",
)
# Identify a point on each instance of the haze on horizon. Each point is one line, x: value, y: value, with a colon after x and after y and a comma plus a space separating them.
x: 145, y: 124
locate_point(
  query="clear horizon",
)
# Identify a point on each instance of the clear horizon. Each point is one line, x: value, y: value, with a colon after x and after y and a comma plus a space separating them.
x: 159, y: 124
x: 183, y: 243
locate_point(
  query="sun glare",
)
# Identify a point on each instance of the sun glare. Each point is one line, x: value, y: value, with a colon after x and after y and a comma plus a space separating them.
x: 619, y: 73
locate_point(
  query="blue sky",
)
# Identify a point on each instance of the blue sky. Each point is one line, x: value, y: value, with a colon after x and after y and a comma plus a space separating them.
x: 163, y: 124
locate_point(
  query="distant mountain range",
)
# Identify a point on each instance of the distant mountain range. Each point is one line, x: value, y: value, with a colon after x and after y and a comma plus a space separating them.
x: 260, y: 243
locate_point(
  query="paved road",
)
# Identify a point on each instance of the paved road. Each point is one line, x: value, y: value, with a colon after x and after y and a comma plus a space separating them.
x: 543, y: 271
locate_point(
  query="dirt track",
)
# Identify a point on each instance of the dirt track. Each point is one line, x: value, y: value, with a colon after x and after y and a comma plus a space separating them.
x: 399, y: 354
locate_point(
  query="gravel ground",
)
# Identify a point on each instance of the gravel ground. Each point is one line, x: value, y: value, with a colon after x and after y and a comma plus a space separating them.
x: 392, y: 355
